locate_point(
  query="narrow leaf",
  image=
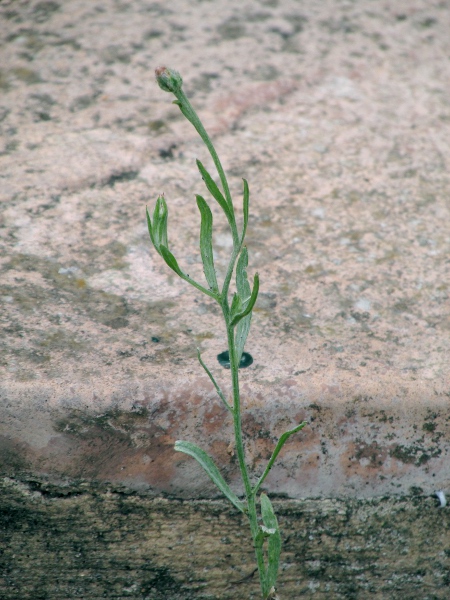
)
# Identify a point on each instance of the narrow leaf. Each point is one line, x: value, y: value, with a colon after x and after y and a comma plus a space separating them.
x: 213, y: 381
x: 283, y: 439
x: 213, y: 472
x: 274, y: 542
x: 251, y: 303
x: 160, y: 215
x: 206, y: 249
x: 214, y: 191
x: 242, y: 284
x: 171, y: 261
x: 227, y: 207
x: 245, y: 209
x: 236, y: 306
x: 268, y: 516
x: 242, y: 330
x: 244, y: 291
x: 149, y: 225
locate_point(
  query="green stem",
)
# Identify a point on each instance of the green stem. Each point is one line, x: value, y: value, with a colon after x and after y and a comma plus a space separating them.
x: 237, y: 421
x: 190, y: 114
x: 229, y: 275
x: 192, y: 117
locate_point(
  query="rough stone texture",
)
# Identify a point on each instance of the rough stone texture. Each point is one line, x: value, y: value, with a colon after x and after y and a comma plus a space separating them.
x: 338, y: 115
x: 131, y: 546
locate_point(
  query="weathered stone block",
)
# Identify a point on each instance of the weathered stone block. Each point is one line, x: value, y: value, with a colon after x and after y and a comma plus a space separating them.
x: 86, y: 540
x: 338, y: 116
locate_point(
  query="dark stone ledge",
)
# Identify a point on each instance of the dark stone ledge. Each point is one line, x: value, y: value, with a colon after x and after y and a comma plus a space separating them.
x: 92, y: 541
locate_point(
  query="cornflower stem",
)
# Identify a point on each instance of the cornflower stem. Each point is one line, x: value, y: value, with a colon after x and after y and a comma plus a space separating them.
x: 229, y: 275
x: 190, y: 114
x: 237, y: 421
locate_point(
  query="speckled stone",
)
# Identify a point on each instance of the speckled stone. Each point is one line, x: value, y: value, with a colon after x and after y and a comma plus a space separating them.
x: 337, y: 113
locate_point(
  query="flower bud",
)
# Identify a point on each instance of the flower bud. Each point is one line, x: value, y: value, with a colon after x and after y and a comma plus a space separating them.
x: 168, y: 80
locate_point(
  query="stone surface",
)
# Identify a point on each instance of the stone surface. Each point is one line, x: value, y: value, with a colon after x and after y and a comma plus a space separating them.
x: 91, y: 541
x: 338, y: 115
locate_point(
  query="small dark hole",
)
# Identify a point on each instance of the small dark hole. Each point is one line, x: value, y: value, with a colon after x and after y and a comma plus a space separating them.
x: 155, y: 339
x: 167, y: 152
x: 224, y: 360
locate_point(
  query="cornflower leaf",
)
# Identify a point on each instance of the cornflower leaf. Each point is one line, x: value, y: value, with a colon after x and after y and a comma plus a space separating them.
x: 170, y: 260
x: 274, y: 541
x: 206, y: 249
x: 245, y: 209
x: 249, y: 305
x: 236, y: 306
x: 214, y: 382
x: 283, y: 439
x: 243, y: 328
x: 184, y: 109
x: 158, y: 231
x: 150, y: 227
x: 242, y: 284
x: 160, y: 215
x: 214, y: 190
x: 219, y: 197
x: 244, y: 291
x: 213, y: 472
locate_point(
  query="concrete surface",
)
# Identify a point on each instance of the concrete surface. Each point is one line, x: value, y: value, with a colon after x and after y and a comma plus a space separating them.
x: 338, y: 115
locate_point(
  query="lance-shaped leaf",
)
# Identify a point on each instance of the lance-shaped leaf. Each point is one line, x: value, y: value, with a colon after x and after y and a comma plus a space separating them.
x: 243, y: 288
x: 206, y: 249
x: 150, y: 226
x: 219, y: 197
x: 242, y: 284
x: 283, y: 439
x: 245, y: 209
x: 214, y: 190
x: 160, y: 215
x: 274, y: 542
x: 236, y: 306
x: 249, y: 305
x: 171, y: 261
x: 214, y: 382
x: 213, y: 472
x: 242, y: 330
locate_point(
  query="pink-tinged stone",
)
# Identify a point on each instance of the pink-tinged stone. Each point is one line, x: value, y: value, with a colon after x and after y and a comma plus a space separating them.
x: 338, y: 117
x: 352, y: 445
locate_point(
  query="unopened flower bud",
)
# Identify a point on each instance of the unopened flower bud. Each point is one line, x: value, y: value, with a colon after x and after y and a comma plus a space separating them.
x: 168, y: 80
